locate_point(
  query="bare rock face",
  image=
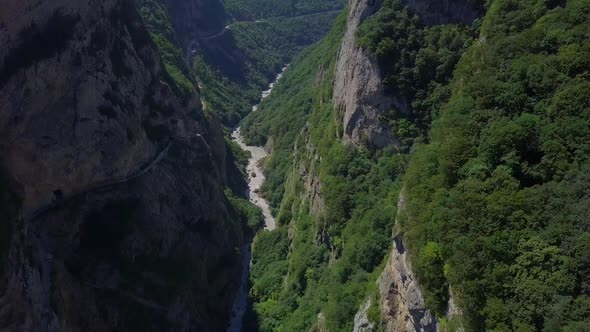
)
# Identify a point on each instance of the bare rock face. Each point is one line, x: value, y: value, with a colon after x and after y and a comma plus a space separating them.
x: 402, y: 304
x: 401, y: 301
x: 123, y: 223
x: 361, y: 318
x: 358, y: 90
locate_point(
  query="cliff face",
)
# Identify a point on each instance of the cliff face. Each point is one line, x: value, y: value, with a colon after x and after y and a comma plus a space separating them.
x: 123, y: 222
x: 358, y: 89
x: 402, y: 305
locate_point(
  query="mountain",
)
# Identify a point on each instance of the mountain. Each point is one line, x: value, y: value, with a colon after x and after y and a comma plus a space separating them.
x: 427, y: 165
x: 428, y: 172
x: 115, y: 212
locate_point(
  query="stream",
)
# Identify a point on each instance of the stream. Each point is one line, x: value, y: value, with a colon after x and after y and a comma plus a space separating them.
x: 255, y: 181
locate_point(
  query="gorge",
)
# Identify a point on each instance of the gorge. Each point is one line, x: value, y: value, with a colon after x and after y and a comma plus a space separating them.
x: 419, y: 165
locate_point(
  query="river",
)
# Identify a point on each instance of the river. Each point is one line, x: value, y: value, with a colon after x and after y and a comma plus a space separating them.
x: 255, y: 180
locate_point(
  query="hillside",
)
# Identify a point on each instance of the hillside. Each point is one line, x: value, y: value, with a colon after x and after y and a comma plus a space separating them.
x: 418, y: 165
x: 459, y: 126
x: 117, y: 211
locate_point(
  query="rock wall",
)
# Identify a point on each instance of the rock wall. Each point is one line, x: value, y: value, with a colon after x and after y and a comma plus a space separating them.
x: 124, y: 224
x: 401, y: 301
x: 361, y: 318
x: 402, y: 305
x: 358, y: 90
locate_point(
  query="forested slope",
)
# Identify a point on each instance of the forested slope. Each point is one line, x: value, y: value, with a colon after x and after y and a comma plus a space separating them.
x: 490, y: 157
x: 498, y: 200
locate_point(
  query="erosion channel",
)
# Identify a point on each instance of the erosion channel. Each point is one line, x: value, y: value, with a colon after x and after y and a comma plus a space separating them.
x: 255, y: 180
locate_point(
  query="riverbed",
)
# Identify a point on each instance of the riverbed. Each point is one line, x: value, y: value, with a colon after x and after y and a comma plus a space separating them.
x: 256, y: 178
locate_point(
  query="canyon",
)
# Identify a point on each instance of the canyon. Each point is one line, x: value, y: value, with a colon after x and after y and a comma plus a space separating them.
x: 419, y: 165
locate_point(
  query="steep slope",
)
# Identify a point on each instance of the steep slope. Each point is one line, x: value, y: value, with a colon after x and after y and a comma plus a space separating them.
x: 335, y: 204
x: 338, y: 200
x: 492, y: 113
x: 123, y: 222
x: 358, y: 89
x: 386, y: 65
x: 494, y: 202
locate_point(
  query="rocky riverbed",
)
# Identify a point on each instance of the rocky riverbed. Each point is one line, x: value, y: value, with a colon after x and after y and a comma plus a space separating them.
x: 256, y: 178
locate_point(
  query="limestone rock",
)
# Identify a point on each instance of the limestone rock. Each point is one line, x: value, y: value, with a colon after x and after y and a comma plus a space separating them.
x: 123, y: 222
x: 402, y: 304
x: 361, y: 318
x: 358, y: 89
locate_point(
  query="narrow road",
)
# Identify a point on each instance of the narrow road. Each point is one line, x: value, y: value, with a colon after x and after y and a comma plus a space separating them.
x: 99, y: 186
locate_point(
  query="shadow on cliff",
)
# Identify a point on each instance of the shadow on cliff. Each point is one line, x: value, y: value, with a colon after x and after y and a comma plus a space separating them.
x: 223, y: 54
x: 251, y: 322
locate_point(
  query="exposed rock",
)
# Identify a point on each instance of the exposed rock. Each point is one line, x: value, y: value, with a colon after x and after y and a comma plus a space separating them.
x: 358, y: 88
x: 320, y: 325
x: 401, y: 301
x: 402, y: 304
x: 124, y: 224
x: 361, y: 318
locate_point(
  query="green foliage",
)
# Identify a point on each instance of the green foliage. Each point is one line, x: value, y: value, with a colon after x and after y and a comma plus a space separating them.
x: 265, y: 46
x: 181, y: 80
x: 283, y: 114
x: 416, y: 62
x: 257, y: 9
x: 499, y: 188
x: 430, y: 268
x: 158, y: 24
x: 249, y: 214
x: 335, y: 255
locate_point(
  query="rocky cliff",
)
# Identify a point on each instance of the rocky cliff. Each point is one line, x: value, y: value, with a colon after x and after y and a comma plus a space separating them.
x: 402, y: 305
x: 359, y: 95
x: 123, y: 223
x: 358, y: 89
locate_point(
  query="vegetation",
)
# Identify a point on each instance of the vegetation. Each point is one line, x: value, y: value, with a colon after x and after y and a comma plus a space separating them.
x: 499, y: 190
x: 249, y: 214
x: 495, y: 132
x: 266, y: 47
x: 158, y: 23
x: 336, y: 256
x: 417, y: 62
x: 257, y: 9
x: 182, y: 80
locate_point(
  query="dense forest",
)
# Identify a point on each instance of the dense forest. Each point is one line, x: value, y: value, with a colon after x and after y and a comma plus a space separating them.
x: 359, y: 188
x: 266, y: 47
x: 492, y: 166
x: 498, y: 199
x: 258, y: 9
x: 259, y: 50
